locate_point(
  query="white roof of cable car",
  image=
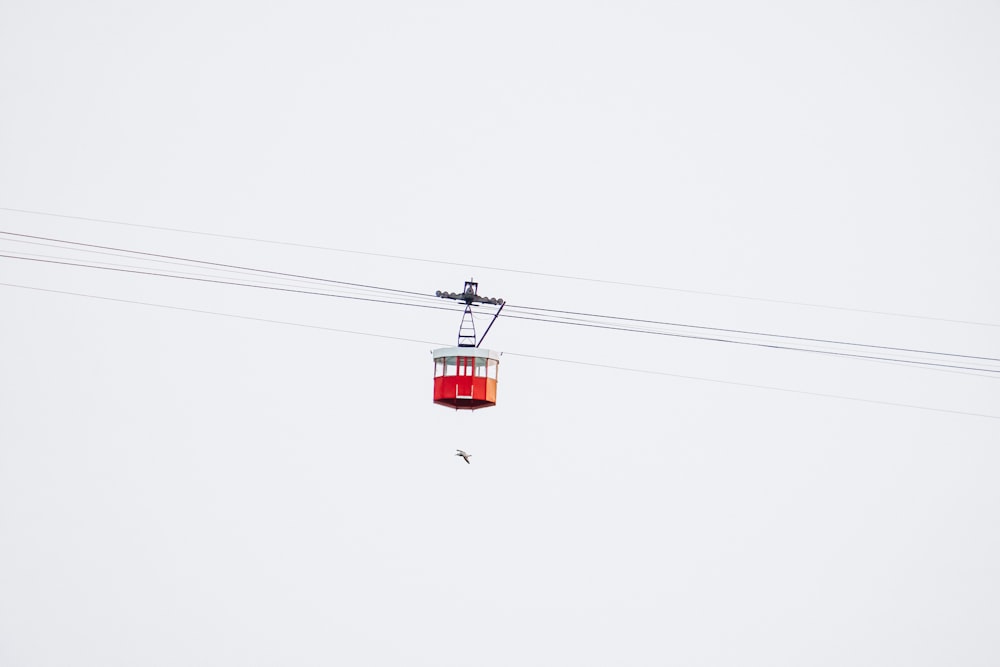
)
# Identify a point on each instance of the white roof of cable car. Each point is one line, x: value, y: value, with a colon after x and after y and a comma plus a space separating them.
x: 465, y: 352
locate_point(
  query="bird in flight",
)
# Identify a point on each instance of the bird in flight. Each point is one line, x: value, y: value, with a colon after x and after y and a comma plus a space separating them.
x: 463, y: 455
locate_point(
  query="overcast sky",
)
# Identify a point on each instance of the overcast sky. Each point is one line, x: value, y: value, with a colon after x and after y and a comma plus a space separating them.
x: 181, y: 488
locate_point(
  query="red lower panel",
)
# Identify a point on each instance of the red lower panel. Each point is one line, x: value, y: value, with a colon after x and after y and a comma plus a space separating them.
x: 465, y: 393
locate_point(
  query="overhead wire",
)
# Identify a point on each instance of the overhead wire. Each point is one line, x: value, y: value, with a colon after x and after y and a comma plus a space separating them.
x: 185, y: 263
x: 253, y: 281
x: 917, y: 363
x: 744, y: 331
x: 248, y: 275
x: 212, y: 312
x: 220, y: 282
x: 497, y: 268
x: 716, y: 339
x: 900, y: 360
x: 527, y: 356
x: 756, y: 386
x: 208, y: 263
x: 510, y: 307
x: 571, y: 318
x: 311, y: 281
x: 285, y: 277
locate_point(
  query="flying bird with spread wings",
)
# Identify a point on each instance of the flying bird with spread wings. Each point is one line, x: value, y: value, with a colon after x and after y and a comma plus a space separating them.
x: 463, y: 455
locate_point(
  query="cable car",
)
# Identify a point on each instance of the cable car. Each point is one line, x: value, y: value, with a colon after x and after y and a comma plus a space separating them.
x: 465, y: 377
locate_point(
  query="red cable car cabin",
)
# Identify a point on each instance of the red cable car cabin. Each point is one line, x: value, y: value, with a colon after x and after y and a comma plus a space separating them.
x: 465, y: 378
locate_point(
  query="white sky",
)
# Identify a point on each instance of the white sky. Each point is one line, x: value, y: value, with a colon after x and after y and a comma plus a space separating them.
x: 184, y: 489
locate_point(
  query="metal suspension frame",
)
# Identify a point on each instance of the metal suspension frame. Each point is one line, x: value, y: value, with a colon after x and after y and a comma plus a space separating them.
x: 470, y: 295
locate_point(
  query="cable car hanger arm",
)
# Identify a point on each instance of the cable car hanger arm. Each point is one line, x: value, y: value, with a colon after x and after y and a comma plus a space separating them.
x: 495, y: 316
